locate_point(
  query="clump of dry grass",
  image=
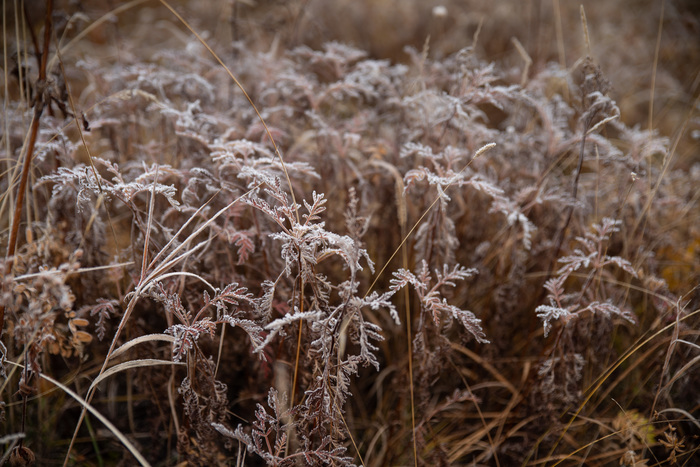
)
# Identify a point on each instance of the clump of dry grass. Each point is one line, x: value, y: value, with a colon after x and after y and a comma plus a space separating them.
x: 285, y: 249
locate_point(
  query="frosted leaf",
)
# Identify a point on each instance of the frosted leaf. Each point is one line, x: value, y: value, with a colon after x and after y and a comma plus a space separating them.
x: 549, y: 313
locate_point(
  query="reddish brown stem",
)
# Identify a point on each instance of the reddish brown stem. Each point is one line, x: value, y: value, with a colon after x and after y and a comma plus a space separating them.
x: 34, y: 131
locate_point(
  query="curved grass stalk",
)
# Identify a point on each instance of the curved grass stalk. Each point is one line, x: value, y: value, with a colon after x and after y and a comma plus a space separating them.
x: 87, y: 407
x: 140, y: 363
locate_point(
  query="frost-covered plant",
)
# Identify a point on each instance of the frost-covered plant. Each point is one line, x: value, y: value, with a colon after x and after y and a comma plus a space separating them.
x: 269, y: 329
x: 593, y: 259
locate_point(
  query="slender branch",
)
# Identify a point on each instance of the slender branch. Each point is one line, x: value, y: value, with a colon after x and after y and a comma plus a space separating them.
x: 39, y: 105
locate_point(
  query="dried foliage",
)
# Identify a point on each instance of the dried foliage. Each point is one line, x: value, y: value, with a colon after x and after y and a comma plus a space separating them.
x: 486, y: 262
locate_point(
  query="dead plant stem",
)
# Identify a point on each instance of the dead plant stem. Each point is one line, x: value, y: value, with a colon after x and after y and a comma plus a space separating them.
x: 33, y: 133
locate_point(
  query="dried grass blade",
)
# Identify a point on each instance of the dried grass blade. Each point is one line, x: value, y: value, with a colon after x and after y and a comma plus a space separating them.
x: 142, y: 339
x: 86, y: 406
x: 140, y: 363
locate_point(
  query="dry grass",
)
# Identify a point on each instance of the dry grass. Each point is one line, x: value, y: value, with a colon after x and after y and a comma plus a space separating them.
x: 377, y: 233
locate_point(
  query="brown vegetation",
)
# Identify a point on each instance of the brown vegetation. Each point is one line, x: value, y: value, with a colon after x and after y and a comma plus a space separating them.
x: 350, y: 233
